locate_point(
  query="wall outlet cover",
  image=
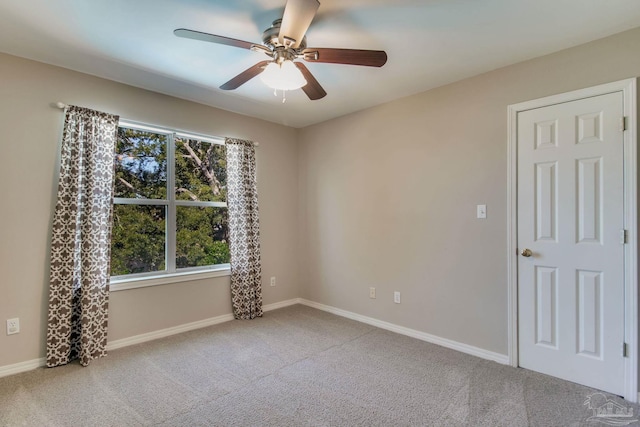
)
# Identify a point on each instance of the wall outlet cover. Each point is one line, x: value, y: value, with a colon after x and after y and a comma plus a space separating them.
x: 13, y: 326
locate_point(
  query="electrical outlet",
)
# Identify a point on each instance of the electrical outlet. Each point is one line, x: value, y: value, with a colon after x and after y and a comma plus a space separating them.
x: 273, y: 280
x: 396, y: 297
x: 372, y: 292
x: 13, y: 326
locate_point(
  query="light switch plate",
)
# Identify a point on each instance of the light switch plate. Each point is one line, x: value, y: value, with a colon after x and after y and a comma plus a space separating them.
x: 481, y: 211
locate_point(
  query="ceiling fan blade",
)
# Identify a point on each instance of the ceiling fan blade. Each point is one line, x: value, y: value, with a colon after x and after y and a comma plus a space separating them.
x: 244, y: 76
x: 367, y: 58
x: 297, y: 17
x: 206, y: 37
x: 312, y: 88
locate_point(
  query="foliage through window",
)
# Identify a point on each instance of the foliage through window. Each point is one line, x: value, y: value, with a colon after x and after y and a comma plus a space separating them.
x: 157, y: 230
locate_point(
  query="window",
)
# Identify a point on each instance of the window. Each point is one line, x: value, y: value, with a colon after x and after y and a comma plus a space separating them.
x: 170, y: 203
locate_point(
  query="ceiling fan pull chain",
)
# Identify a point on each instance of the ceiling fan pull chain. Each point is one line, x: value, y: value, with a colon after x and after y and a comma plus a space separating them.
x: 284, y: 95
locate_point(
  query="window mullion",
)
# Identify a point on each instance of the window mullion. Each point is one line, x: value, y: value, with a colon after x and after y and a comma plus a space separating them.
x: 171, y: 208
x: 140, y: 202
x: 201, y: 204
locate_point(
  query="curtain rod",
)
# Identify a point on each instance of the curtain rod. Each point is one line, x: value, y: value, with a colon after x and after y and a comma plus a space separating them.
x: 62, y: 106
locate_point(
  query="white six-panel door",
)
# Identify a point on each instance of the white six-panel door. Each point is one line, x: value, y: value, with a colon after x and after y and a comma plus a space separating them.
x: 569, y: 223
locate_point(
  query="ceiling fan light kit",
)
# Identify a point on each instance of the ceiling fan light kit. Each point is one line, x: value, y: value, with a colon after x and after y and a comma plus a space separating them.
x: 284, y: 42
x: 283, y: 76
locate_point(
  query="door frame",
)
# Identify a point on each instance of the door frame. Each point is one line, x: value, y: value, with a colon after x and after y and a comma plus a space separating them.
x: 628, y: 88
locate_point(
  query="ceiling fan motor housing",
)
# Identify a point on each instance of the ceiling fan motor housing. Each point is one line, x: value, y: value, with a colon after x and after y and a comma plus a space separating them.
x: 281, y: 52
x: 271, y: 39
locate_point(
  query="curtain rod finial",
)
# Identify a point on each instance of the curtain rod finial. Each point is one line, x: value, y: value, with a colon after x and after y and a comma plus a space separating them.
x: 61, y: 105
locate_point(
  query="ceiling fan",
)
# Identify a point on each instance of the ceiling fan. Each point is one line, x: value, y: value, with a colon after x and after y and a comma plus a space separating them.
x: 285, y: 42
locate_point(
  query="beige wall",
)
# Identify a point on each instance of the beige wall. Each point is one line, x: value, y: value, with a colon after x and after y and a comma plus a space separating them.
x: 31, y: 131
x: 388, y: 196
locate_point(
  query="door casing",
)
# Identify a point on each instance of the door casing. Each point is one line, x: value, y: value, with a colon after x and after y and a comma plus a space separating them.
x: 628, y: 88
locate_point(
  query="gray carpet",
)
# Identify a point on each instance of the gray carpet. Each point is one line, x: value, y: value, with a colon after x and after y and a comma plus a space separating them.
x: 296, y: 366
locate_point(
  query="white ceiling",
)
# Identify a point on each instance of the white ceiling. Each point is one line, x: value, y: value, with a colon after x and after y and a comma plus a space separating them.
x: 429, y: 43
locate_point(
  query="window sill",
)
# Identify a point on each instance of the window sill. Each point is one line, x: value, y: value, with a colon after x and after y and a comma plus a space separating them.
x: 123, y: 284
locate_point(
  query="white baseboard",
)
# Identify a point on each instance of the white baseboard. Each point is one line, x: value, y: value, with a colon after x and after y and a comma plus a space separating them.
x: 281, y: 304
x: 17, y: 368
x: 444, y: 342
x: 150, y: 336
x: 162, y: 333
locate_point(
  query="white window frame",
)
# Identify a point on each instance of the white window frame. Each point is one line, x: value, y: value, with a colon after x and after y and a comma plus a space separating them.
x: 170, y: 274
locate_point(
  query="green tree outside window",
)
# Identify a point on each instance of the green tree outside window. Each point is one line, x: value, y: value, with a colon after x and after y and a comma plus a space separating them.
x: 147, y: 217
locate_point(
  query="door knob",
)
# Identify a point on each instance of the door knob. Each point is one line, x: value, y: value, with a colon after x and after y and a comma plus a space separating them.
x: 526, y: 253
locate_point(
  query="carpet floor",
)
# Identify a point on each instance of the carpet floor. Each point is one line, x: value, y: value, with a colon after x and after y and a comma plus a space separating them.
x: 296, y: 366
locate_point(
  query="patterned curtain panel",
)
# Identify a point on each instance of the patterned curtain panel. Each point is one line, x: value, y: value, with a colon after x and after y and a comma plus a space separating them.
x: 244, y: 233
x: 80, y: 244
